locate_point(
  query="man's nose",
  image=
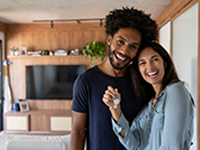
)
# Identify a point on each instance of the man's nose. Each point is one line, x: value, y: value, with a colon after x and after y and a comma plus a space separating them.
x: 125, y: 49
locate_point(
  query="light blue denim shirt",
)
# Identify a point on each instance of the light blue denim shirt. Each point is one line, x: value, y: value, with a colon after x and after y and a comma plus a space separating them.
x: 166, y: 126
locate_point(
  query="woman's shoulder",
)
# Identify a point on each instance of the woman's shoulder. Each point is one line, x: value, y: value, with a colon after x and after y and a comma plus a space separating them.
x: 180, y: 86
x: 178, y: 91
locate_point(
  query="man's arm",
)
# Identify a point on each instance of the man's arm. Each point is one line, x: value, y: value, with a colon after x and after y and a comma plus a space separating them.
x: 78, y: 130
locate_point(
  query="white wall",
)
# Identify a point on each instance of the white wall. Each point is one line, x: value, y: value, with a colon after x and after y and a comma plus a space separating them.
x: 185, y: 53
x: 165, y: 36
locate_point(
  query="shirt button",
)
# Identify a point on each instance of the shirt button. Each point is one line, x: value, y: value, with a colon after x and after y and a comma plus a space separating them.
x: 155, y: 110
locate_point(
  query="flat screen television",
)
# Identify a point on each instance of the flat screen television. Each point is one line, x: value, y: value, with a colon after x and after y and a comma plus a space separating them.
x: 53, y: 82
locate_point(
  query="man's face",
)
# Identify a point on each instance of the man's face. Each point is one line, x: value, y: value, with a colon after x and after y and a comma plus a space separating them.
x: 123, y: 47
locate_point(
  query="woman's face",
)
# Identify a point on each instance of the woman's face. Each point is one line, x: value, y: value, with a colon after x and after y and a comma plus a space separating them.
x: 151, y: 66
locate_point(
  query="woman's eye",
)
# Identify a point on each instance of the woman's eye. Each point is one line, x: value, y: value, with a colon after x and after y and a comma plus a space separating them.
x: 141, y: 63
x: 156, y: 59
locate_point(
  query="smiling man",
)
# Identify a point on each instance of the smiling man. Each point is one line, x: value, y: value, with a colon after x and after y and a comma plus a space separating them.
x: 127, y: 29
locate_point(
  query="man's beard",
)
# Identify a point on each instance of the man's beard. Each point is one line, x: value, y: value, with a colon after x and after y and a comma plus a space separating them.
x: 111, y: 61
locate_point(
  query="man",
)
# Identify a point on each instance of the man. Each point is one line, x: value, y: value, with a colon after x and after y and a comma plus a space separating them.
x: 126, y: 29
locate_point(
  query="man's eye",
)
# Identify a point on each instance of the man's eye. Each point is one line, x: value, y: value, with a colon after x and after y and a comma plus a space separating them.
x: 133, y: 47
x: 120, y: 42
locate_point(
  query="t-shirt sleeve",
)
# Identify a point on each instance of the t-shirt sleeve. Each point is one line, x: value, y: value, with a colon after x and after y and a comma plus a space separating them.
x: 80, y: 96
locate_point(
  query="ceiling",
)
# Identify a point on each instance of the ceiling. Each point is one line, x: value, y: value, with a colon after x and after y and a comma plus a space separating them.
x: 25, y: 11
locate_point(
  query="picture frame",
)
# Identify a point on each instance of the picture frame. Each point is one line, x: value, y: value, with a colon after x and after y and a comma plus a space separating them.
x: 22, y: 51
x: 23, y: 106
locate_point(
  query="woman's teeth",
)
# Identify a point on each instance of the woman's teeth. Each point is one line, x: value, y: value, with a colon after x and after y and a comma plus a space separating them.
x: 152, y: 73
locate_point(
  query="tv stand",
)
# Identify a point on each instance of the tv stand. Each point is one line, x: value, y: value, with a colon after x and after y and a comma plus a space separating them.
x: 55, y: 122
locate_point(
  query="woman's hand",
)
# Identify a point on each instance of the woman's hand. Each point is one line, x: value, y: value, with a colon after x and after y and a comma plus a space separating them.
x: 114, y: 107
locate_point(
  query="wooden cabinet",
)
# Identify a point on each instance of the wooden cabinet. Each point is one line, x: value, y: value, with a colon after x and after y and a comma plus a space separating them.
x: 38, y: 122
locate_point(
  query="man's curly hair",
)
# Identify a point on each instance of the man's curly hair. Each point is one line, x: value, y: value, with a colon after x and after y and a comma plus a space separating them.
x: 130, y: 17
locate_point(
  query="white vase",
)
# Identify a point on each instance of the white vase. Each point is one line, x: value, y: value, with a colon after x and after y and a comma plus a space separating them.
x: 16, y: 53
x: 12, y: 53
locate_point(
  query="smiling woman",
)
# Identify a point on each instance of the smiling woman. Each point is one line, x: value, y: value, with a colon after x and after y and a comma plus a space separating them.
x: 156, y: 126
x: 152, y: 68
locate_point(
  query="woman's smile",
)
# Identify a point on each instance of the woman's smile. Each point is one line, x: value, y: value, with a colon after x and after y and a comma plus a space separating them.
x: 151, y: 66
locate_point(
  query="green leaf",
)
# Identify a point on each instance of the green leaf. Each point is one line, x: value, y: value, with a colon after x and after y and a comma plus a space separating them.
x: 93, y: 50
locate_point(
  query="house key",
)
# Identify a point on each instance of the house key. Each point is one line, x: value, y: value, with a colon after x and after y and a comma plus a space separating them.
x: 116, y: 100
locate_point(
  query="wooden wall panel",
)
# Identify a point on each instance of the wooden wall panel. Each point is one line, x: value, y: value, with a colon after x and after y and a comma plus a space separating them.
x: 39, y: 36
x: 62, y: 36
x: 3, y: 27
x: 17, y: 78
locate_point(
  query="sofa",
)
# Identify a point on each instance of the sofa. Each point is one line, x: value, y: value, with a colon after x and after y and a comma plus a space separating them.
x: 34, y: 142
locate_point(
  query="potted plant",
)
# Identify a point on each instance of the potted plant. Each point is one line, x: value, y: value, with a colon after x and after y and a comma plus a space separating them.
x: 13, y: 51
x: 94, y: 49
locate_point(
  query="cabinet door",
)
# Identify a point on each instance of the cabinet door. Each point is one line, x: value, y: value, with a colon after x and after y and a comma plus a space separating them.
x: 39, y: 122
x: 16, y: 123
x: 60, y: 123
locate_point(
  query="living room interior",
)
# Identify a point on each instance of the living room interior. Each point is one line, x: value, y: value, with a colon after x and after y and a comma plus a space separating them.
x: 68, y: 25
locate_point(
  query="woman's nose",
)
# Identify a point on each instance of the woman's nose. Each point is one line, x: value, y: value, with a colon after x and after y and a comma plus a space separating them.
x: 149, y: 65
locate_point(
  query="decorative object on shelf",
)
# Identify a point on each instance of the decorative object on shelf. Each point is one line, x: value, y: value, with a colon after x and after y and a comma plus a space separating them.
x: 51, y: 53
x: 75, y: 52
x: 23, y: 106
x: 60, y: 52
x: 33, y: 53
x: 94, y: 49
x: 13, y: 51
x: 22, y: 50
x: 45, y: 52
x: 15, y: 107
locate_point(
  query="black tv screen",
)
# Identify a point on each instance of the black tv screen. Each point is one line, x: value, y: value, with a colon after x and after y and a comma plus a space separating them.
x: 51, y: 81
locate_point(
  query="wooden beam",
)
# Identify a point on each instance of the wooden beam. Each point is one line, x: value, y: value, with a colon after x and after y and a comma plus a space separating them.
x: 174, y: 7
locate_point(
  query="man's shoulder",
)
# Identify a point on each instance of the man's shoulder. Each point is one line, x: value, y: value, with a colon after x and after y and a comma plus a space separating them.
x: 89, y: 73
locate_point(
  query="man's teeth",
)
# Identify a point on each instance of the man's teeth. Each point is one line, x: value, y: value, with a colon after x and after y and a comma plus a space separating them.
x: 152, y: 73
x: 122, y: 58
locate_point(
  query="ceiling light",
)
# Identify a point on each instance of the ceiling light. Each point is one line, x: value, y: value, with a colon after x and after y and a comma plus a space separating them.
x: 100, y: 23
x: 71, y: 20
x: 51, y: 25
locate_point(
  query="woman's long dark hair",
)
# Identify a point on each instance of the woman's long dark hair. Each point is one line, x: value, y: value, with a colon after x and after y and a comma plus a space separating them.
x: 143, y: 89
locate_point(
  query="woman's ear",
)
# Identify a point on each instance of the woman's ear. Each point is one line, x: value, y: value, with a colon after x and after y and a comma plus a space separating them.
x: 109, y: 39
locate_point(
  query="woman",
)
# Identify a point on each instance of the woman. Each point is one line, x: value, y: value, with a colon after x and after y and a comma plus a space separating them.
x: 166, y: 123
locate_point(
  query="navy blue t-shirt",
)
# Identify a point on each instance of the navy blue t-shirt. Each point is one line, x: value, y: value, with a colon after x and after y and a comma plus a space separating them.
x: 88, y: 92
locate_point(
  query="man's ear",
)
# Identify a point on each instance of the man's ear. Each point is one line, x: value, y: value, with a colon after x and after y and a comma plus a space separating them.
x: 165, y: 64
x: 109, y: 39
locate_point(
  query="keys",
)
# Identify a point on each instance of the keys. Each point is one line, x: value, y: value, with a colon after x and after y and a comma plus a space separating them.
x: 116, y: 100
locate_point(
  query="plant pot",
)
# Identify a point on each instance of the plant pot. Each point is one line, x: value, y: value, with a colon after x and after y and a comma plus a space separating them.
x: 16, y: 53
x: 12, y: 53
